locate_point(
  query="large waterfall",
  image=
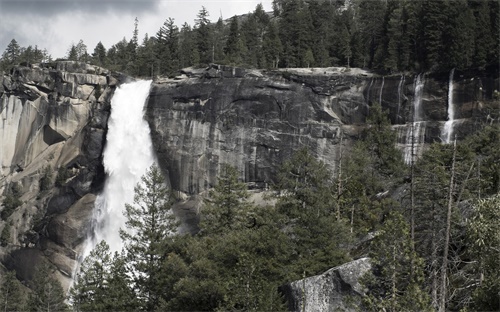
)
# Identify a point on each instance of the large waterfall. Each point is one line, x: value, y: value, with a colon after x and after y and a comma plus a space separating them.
x: 127, y: 155
x: 415, y: 134
x: 448, y: 126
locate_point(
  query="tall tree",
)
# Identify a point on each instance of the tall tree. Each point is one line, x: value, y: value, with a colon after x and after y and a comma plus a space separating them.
x: 484, y: 238
x: 91, y: 289
x: 397, y: 280
x: 149, y: 224
x: 204, y: 40
x: 47, y: 293
x: 304, y: 194
x: 99, y: 54
x: 226, y: 206
x: 11, y: 293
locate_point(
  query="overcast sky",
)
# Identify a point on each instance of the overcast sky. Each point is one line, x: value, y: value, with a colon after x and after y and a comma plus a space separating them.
x: 56, y: 24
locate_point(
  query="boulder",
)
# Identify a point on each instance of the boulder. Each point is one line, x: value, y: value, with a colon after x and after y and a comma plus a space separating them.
x: 338, y: 289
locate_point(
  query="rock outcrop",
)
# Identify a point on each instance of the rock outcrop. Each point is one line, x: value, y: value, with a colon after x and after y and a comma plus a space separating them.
x: 53, y: 119
x: 255, y: 120
x: 338, y: 289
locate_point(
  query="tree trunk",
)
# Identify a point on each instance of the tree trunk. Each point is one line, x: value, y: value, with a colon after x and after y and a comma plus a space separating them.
x: 444, y: 265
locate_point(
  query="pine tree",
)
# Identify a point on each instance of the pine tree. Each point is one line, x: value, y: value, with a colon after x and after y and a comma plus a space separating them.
x: 484, y: 237
x: 204, y: 40
x: 149, y: 224
x: 304, y: 194
x: 233, y: 43
x: 99, y: 54
x: 396, y: 283
x: 47, y: 293
x: 226, y: 206
x: 11, y: 293
x: 91, y: 289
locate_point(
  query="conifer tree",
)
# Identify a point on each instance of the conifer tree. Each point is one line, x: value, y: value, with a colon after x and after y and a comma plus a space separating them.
x: 47, y: 293
x: 484, y: 238
x: 91, y: 289
x: 11, y: 294
x: 304, y: 194
x: 149, y: 225
x: 396, y: 283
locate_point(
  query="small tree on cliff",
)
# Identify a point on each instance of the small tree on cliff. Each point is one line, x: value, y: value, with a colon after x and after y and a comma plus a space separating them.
x: 149, y: 224
x: 47, y: 293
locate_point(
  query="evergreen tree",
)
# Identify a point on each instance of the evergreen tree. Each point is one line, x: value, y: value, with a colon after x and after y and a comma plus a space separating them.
x: 226, y: 206
x: 272, y: 47
x: 397, y: 280
x: 484, y: 238
x: 149, y: 224
x: 188, y: 53
x: 305, y: 199
x: 167, y: 47
x: 203, y: 30
x: 5, y: 236
x: 99, y: 54
x: 47, y: 293
x: 11, y: 293
x: 11, y: 53
x: 233, y: 43
x: 91, y: 289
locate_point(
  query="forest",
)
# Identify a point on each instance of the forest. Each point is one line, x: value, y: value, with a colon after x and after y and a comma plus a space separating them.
x: 384, y: 36
x: 435, y: 222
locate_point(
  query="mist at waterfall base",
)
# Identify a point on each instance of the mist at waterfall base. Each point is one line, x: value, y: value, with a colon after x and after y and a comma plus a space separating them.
x: 127, y: 156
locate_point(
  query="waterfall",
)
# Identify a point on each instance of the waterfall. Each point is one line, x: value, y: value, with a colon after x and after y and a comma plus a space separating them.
x: 415, y: 133
x: 448, y: 126
x: 127, y: 155
x: 400, y: 87
x: 381, y: 90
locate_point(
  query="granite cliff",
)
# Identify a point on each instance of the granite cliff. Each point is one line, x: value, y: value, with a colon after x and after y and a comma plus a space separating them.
x: 55, y: 116
x: 54, y: 120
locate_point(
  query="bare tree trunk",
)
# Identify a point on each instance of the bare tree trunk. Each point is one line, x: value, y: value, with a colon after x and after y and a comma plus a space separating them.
x: 444, y: 264
x: 339, y: 184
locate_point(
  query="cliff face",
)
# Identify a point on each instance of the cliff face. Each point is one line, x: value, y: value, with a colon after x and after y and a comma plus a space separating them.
x: 255, y: 120
x: 53, y: 120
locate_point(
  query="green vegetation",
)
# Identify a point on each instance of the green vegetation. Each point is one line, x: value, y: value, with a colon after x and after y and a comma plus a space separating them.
x: 11, y: 293
x: 386, y: 36
x: 11, y: 201
x: 243, y: 252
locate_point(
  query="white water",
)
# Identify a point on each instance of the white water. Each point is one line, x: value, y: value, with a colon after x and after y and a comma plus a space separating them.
x: 400, y: 87
x: 381, y: 90
x: 448, y: 126
x: 127, y: 156
x: 415, y: 133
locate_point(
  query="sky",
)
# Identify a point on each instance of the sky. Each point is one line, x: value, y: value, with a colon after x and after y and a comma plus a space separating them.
x: 57, y: 24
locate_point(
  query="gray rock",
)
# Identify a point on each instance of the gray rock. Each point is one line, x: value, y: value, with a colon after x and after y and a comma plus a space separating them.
x: 338, y: 289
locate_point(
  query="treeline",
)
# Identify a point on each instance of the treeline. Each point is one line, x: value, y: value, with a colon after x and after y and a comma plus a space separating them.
x: 435, y: 248
x: 386, y: 36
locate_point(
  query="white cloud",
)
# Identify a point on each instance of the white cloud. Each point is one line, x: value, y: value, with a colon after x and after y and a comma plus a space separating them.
x: 56, y: 30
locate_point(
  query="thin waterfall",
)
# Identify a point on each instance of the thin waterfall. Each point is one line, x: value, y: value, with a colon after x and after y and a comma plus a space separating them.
x: 447, y: 132
x: 381, y: 90
x: 400, y: 87
x: 415, y: 134
x: 127, y: 156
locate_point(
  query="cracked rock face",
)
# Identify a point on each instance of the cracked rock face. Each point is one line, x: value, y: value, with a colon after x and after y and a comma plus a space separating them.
x: 50, y: 118
x: 338, y: 289
x: 255, y: 120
